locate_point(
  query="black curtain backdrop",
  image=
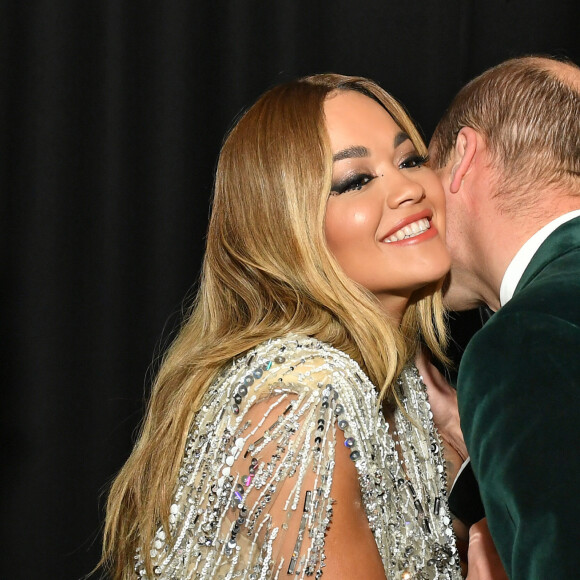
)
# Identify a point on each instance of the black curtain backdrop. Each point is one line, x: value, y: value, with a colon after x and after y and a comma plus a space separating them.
x: 112, y: 115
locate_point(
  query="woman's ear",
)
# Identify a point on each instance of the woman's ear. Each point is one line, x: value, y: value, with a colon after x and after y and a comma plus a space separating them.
x: 463, y: 157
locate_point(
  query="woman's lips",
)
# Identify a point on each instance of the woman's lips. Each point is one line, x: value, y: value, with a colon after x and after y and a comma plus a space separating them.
x: 413, y: 226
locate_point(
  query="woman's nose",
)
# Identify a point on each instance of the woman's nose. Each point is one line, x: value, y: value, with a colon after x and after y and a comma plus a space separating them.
x: 403, y: 190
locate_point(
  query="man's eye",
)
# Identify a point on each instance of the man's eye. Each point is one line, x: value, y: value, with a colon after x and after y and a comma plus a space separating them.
x: 352, y: 183
x: 414, y: 160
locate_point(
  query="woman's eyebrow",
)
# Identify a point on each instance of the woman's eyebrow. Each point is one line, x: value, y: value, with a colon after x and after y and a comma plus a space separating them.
x: 350, y: 152
x: 400, y: 137
x: 360, y: 151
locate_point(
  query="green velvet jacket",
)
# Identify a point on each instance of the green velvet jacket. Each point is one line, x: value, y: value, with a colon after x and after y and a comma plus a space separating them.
x: 519, y: 401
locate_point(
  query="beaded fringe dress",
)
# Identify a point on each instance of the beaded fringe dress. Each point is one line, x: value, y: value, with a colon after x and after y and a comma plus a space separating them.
x: 258, y: 468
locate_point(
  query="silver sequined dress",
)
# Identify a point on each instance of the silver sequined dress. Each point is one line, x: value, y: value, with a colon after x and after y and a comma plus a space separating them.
x: 259, y: 464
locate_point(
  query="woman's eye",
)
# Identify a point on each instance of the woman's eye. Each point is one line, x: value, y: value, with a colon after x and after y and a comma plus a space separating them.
x: 414, y: 160
x: 352, y: 183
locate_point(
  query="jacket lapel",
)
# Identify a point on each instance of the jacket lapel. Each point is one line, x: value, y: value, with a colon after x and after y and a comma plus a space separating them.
x: 564, y: 239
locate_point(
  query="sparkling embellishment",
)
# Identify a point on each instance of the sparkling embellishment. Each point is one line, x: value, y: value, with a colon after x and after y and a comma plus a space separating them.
x: 236, y: 461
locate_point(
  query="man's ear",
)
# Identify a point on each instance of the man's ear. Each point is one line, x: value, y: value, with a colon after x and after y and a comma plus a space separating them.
x: 463, y: 157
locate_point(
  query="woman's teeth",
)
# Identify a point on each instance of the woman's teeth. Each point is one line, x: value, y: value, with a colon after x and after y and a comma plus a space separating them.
x: 409, y: 231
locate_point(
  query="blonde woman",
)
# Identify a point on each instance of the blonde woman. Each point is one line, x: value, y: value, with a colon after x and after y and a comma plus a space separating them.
x: 288, y: 432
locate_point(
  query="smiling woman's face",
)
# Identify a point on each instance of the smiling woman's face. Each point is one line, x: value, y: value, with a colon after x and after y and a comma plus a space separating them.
x: 385, y: 217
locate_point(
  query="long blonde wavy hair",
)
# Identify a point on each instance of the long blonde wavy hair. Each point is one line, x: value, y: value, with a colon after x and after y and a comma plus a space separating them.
x: 267, y: 271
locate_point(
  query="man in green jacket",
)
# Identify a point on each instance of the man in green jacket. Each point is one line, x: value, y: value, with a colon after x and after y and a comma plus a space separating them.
x: 508, y: 155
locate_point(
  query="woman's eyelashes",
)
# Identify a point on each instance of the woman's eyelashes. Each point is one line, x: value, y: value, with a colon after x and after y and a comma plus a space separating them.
x: 351, y: 183
x: 355, y: 182
x: 414, y: 160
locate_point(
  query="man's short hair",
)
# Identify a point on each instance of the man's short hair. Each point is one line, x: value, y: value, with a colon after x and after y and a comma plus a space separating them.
x: 529, y: 117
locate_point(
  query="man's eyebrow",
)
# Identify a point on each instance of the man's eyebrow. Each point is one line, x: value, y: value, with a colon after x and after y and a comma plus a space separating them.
x: 400, y: 137
x: 350, y: 152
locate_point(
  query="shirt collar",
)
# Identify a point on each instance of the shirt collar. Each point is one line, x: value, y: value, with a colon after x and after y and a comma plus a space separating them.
x: 524, y: 256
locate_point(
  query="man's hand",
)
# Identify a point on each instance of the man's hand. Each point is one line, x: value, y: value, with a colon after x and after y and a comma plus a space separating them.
x: 483, y: 559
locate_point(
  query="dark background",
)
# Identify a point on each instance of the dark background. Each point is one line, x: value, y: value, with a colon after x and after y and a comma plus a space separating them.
x: 112, y: 114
